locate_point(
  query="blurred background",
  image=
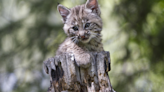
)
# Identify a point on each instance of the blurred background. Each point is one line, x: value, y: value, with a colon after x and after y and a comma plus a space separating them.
x: 133, y: 32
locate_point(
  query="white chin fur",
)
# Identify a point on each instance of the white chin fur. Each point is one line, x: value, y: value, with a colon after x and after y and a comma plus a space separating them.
x: 86, y: 41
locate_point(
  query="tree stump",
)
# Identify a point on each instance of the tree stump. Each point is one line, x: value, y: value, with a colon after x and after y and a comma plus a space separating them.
x: 67, y: 76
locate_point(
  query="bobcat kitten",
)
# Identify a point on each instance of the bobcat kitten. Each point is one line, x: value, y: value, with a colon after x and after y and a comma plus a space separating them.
x: 83, y: 26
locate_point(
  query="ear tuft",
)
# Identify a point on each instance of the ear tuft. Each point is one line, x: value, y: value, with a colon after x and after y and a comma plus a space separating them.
x: 93, y: 5
x: 64, y: 12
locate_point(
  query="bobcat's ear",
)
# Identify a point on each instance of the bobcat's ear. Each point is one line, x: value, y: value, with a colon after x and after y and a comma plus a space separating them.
x: 93, y: 5
x: 64, y: 12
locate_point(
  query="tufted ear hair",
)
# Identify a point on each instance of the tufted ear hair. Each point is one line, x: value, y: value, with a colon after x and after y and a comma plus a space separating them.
x: 93, y: 6
x: 64, y: 11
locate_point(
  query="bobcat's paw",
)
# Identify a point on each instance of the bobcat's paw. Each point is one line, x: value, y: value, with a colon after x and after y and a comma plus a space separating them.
x: 83, y: 60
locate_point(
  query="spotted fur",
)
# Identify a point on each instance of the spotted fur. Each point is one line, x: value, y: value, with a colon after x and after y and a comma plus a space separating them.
x: 83, y: 26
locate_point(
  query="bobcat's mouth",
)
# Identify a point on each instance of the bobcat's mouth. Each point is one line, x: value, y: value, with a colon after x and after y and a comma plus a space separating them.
x: 85, y: 39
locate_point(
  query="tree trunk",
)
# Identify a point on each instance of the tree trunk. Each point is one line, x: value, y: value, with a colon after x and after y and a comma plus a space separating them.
x: 67, y: 76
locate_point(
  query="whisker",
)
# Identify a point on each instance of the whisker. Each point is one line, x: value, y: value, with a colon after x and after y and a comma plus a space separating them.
x: 73, y: 40
x: 73, y: 37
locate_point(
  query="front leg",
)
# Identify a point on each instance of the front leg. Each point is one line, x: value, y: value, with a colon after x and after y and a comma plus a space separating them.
x: 83, y: 59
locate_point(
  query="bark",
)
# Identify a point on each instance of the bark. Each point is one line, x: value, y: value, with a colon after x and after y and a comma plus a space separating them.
x: 67, y: 76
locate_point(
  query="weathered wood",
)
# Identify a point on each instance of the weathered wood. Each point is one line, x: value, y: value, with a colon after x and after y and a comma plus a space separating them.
x: 67, y: 76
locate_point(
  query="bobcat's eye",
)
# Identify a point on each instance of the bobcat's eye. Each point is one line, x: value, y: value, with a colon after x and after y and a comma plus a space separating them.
x: 75, y: 28
x: 87, y: 25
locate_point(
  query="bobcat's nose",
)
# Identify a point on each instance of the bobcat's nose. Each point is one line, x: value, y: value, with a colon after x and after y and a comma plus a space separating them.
x: 83, y: 36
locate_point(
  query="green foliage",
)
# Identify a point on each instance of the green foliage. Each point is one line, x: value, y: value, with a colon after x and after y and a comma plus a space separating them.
x: 31, y: 31
x: 143, y: 24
